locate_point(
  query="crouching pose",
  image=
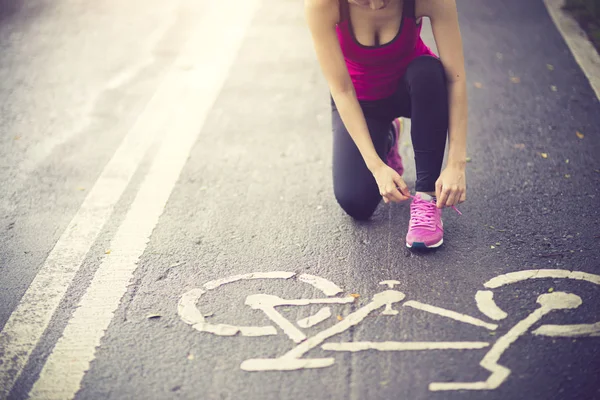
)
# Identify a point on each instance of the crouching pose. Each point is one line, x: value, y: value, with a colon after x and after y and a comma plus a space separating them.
x: 378, y: 69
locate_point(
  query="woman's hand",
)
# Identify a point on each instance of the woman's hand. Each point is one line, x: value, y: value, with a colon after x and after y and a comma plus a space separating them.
x: 451, y: 187
x: 391, y: 185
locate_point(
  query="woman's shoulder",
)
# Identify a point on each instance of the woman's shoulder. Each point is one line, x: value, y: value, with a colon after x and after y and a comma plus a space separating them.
x: 326, y: 10
x: 323, y: 5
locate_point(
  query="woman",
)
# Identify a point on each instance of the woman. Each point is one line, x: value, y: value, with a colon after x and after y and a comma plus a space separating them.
x: 379, y: 69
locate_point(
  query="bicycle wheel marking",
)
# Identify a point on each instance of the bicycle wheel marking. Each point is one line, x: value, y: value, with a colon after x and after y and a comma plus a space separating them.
x: 403, y: 346
x: 575, y: 330
x: 519, y: 276
x: 450, y: 314
x: 325, y: 286
x: 315, y: 319
x: 190, y: 314
x: 487, y: 305
x: 548, y: 302
x: 254, y: 275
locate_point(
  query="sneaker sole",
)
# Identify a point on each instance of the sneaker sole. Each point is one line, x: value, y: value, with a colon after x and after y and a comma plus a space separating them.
x: 421, y: 245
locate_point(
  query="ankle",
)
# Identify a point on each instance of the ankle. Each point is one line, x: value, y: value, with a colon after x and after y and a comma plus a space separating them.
x: 432, y: 194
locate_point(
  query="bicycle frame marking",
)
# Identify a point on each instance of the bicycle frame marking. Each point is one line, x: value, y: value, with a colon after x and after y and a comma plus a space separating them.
x: 403, y: 346
x: 315, y: 319
x: 450, y: 314
x: 291, y: 360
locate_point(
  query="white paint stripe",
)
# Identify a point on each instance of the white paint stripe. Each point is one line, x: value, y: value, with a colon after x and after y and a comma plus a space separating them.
x: 278, y: 302
x: 187, y: 308
x: 190, y: 314
x: 390, y: 284
x: 548, y: 302
x: 519, y: 276
x: 288, y: 328
x: 583, y: 51
x: 379, y: 300
x: 192, y: 93
x: 291, y: 364
x: 568, y: 330
x: 450, y: 314
x: 403, y: 346
x: 291, y: 360
x: 327, y: 287
x: 254, y: 275
x: 487, y: 305
x: 315, y: 319
x: 29, y: 320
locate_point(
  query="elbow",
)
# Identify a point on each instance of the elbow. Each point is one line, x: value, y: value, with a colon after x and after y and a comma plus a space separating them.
x: 343, y: 91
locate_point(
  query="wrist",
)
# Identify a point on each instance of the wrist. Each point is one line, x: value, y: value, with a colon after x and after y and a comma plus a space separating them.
x: 373, y: 163
x: 460, y: 163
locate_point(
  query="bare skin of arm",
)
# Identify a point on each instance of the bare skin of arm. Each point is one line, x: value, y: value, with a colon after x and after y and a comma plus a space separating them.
x: 451, y: 185
x: 322, y: 17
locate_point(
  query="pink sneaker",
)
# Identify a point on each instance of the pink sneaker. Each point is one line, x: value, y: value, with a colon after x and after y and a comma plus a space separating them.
x: 394, y: 160
x: 425, y: 229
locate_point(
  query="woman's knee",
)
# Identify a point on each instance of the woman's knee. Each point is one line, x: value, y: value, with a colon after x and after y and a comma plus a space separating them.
x: 426, y: 74
x: 356, y: 205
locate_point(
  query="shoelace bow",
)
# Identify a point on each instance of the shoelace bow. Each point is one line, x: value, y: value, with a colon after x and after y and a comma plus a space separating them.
x: 424, y: 211
x: 419, y: 200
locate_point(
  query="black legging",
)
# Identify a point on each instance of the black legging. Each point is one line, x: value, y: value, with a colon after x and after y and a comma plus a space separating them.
x: 421, y: 96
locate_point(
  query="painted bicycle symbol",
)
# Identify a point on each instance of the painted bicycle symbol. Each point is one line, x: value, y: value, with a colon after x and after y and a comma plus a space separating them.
x: 387, y: 300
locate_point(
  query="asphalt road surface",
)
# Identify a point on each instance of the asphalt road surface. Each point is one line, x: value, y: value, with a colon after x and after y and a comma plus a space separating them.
x: 151, y: 147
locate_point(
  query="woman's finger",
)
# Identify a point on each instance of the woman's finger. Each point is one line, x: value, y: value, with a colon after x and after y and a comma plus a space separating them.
x: 453, y: 197
x: 463, y: 196
x: 438, y: 188
x: 442, y: 199
x: 402, y: 187
x: 393, y: 194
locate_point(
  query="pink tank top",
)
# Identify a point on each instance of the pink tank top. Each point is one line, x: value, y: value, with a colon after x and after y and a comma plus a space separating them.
x: 376, y: 71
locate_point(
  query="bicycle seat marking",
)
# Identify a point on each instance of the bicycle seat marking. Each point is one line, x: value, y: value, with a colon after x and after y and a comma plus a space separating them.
x: 386, y: 301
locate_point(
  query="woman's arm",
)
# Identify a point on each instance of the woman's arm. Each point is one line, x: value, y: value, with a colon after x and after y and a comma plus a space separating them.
x: 444, y: 22
x: 322, y: 17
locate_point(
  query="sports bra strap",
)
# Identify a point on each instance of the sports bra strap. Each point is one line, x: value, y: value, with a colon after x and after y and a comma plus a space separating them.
x: 344, y: 10
x: 409, y: 9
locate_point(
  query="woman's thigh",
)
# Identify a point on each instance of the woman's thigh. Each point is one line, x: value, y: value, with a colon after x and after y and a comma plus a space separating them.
x: 355, y: 187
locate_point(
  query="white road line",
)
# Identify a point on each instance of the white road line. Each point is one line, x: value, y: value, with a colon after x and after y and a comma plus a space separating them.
x: 403, y: 346
x: 487, y: 305
x: 450, y: 314
x: 327, y: 287
x: 584, y: 52
x: 29, y: 320
x: 518, y: 276
x: 191, y: 94
x: 548, y: 302
x: 569, y: 330
x: 254, y: 275
x: 315, y: 319
x: 190, y: 314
